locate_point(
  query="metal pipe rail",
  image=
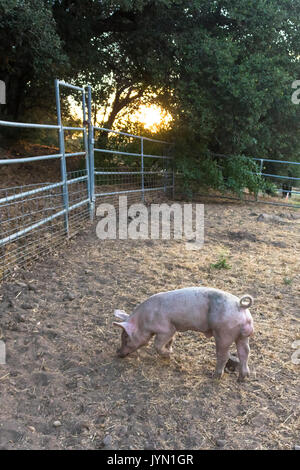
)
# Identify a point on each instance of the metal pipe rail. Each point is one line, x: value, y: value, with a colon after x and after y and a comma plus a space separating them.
x: 118, y: 152
x: 132, y: 173
x: 27, y: 124
x: 258, y: 159
x: 26, y: 210
x: 14, y: 197
x: 162, y: 188
x: 9, y: 161
x: 69, y: 85
x: 131, y: 135
x: 276, y: 161
x: 68, y: 128
x: 18, y: 234
x: 279, y: 176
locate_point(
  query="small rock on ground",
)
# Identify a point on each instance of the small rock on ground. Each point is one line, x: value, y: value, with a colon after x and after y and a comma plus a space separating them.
x: 220, y: 443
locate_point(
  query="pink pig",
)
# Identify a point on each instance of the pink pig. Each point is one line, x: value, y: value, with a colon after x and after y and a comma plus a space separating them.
x: 211, y: 311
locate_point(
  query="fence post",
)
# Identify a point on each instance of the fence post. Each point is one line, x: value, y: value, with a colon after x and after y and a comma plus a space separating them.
x: 142, y: 169
x: 171, y: 154
x: 261, y: 166
x: 63, y: 165
x: 173, y: 183
x: 165, y: 173
x: 87, y: 151
x: 91, y: 154
x: 260, y: 172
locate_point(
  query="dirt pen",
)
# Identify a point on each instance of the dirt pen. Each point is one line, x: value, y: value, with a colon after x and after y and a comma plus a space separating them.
x: 63, y: 386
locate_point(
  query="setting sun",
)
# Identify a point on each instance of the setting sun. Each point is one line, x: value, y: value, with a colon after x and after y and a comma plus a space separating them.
x: 152, y: 117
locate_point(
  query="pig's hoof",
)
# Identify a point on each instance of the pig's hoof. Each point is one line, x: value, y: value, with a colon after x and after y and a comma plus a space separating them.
x: 120, y: 354
x: 242, y: 377
x: 164, y: 354
x: 218, y: 375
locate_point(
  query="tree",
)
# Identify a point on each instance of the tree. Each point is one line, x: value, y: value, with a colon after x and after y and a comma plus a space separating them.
x: 223, y: 68
x: 127, y: 48
x: 235, y: 70
x: 30, y: 50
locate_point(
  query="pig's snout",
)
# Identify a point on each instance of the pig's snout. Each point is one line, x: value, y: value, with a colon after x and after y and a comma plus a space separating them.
x: 121, y: 353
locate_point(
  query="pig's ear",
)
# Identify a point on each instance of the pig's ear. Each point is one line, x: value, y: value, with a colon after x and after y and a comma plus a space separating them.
x: 128, y: 327
x: 121, y: 314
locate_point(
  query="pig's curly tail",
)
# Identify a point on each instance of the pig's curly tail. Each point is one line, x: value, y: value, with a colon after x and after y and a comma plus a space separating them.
x: 246, y: 301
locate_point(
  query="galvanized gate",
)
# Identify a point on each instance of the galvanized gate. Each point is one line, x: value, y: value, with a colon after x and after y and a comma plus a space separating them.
x: 35, y: 217
x: 125, y: 180
x: 144, y: 181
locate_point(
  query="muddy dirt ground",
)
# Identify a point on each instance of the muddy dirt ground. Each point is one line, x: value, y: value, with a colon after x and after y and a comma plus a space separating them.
x: 63, y: 386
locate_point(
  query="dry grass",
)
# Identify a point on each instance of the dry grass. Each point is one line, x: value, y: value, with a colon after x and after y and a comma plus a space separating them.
x: 144, y: 400
x: 264, y: 260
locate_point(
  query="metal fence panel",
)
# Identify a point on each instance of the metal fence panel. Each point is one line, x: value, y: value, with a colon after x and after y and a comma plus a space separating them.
x: 286, y: 187
x: 35, y: 218
x: 134, y: 184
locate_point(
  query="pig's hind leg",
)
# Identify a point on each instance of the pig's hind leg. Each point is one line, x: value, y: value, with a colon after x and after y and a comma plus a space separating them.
x: 163, y: 343
x: 243, y: 350
x: 222, y: 349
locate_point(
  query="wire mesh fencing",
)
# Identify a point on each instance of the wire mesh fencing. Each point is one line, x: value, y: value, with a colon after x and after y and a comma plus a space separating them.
x: 138, y: 186
x: 32, y: 217
x: 136, y: 166
x: 32, y: 220
x: 35, y: 218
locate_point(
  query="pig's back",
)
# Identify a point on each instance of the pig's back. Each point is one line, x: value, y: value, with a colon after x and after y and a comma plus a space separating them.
x: 185, y: 308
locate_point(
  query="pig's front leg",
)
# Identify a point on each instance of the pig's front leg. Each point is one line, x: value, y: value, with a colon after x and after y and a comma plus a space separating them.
x: 163, y: 343
x: 169, y: 344
x: 243, y: 350
x: 222, y: 349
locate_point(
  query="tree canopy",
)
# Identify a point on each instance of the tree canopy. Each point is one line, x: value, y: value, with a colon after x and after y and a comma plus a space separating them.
x: 223, y: 68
